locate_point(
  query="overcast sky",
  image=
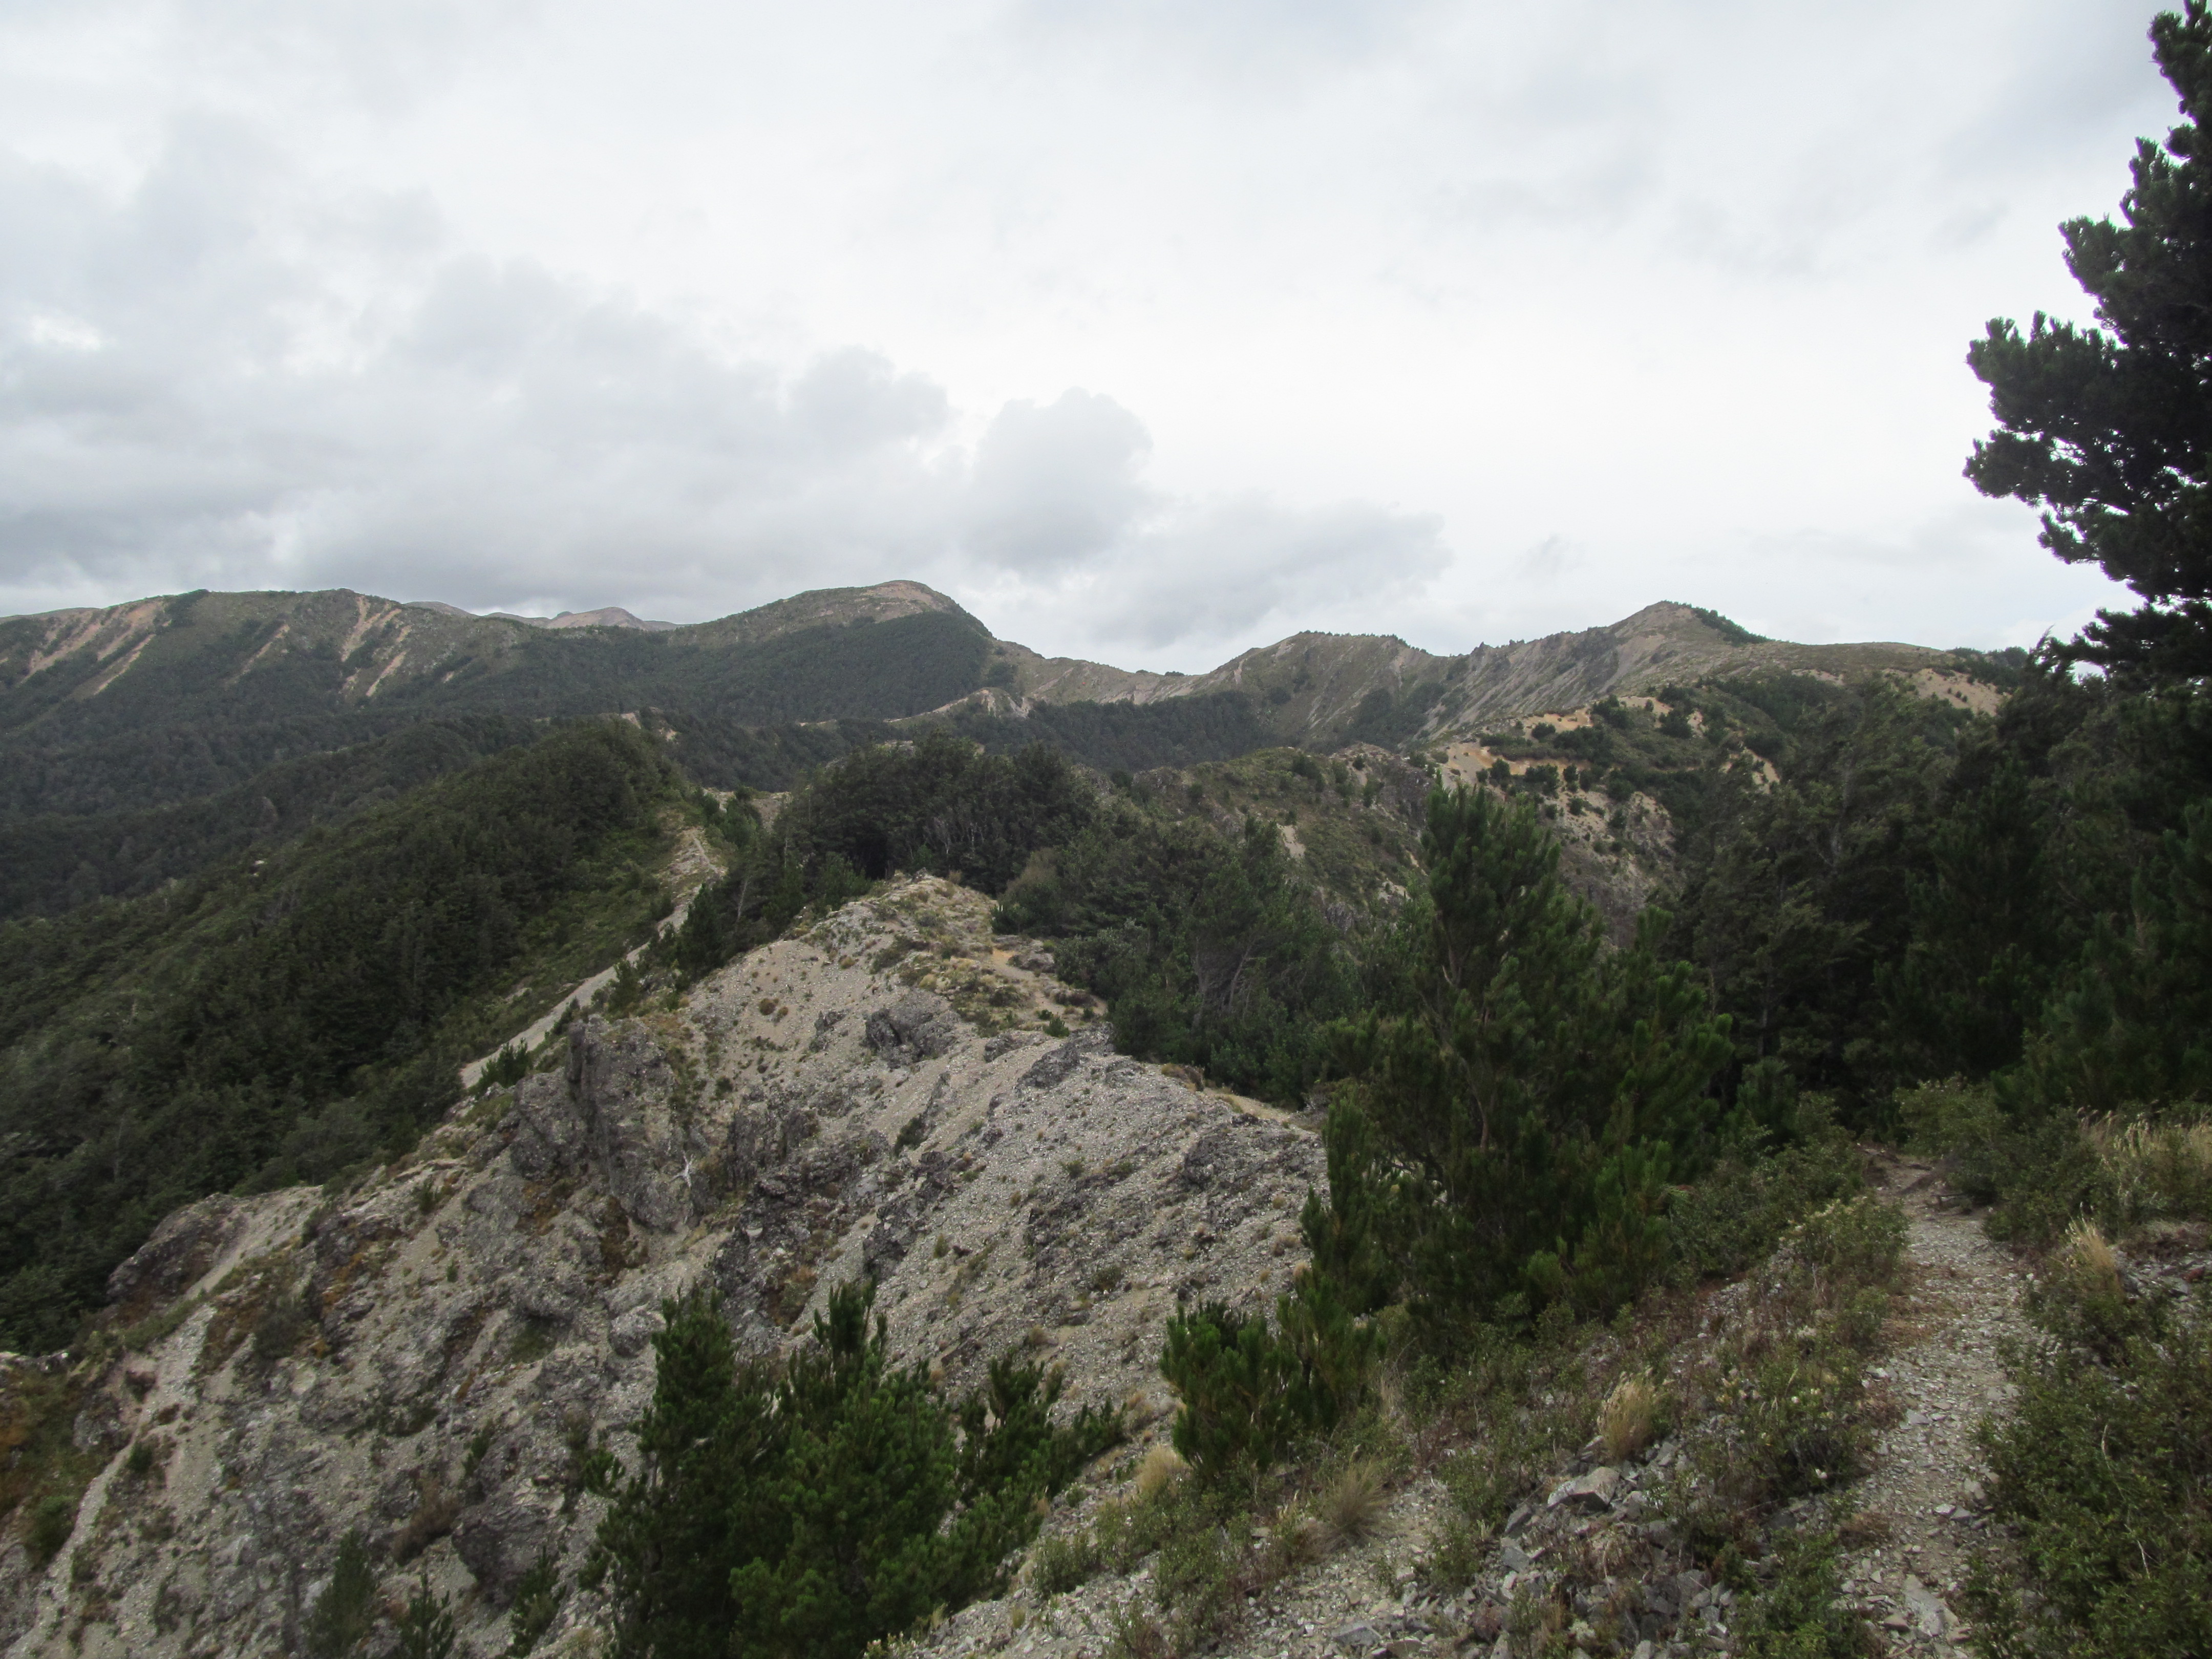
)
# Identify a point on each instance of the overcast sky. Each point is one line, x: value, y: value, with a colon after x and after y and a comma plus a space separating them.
x: 1149, y: 330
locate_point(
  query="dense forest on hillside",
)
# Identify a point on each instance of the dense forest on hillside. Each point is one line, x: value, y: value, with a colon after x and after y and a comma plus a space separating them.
x: 50, y: 864
x: 195, y: 724
x: 276, y: 1020
x: 726, y: 752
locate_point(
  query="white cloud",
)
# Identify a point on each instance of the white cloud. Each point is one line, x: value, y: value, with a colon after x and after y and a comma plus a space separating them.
x: 682, y: 306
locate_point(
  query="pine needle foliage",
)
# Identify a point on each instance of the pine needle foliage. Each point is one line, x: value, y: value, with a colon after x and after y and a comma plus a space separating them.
x: 1522, y: 1100
x: 817, y: 1508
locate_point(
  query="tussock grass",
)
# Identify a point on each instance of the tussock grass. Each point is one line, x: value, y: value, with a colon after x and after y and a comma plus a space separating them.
x: 1626, y: 1419
x: 1352, y: 1503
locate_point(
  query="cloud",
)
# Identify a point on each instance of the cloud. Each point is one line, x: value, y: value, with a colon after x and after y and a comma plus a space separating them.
x: 188, y: 400
x: 1055, y: 486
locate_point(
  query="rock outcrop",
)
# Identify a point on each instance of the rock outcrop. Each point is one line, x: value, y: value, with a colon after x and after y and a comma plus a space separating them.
x: 428, y: 1356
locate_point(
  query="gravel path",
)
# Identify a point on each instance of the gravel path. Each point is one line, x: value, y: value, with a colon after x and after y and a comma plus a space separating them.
x: 1945, y: 1376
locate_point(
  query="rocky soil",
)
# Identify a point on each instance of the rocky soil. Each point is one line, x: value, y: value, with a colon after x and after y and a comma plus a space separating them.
x: 1922, y: 1504
x: 426, y: 1356
x: 1928, y: 1491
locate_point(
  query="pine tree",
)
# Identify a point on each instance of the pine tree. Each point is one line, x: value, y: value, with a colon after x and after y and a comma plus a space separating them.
x: 1520, y: 1099
x: 2108, y: 430
x: 345, y: 1612
x: 426, y: 1628
x: 812, y: 1510
x: 671, y: 1539
x: 2132, y: 1023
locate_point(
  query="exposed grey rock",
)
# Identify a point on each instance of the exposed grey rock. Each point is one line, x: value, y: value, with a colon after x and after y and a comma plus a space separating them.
x: 1056, y: 1067
x: 498, y: 1540
x: 918, y: 1026
x: 1588, y: 1493
x: 182, y: 1248
x: 484, y: 1308
x: 629, y: 1334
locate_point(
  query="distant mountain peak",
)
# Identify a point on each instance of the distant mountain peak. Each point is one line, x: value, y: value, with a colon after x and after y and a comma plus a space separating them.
x: 611, y: 615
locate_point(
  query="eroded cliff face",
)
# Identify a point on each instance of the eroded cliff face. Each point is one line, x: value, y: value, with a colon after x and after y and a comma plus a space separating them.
x: 429, y: 1356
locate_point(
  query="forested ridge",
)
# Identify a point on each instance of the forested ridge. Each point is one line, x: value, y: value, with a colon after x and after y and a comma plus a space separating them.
x: 190, y: 720
x: 281, y: 1019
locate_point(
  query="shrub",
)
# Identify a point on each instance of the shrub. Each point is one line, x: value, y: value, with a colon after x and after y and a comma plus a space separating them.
x: 1248, y: 1392
x: 1801, y: 1615
x: 2104, y: 1479
x: 1789, y: 1423
x: 506, y: 1068
x: 53, y: 1518
x: 346, y: 1610
x: 1626, y: 1420
x: 436, y: 1509
x: 1067, y: 1562
x: 2158, y: 1170
x: 537, y: 1604
x: 1245, y: 1396
x: 283, y: 1322
x: 1351, y: 1502
x: 1849, y: 1243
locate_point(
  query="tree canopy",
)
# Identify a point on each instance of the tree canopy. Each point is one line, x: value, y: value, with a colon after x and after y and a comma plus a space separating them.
x: 2109, y: 429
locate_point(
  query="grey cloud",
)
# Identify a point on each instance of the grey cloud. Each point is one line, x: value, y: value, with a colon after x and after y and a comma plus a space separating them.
x: 186, y: 400
x: 1055, y: 486
x: 1214, y: 573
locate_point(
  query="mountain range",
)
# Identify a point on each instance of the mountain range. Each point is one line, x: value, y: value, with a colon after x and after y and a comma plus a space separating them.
x: 164, y: 699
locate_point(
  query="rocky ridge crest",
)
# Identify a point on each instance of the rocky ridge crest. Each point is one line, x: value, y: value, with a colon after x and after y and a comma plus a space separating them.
x: 428, y: 1355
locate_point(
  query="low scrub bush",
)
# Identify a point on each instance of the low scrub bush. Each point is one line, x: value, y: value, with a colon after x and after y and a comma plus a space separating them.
x: 1851, y: 1244
x: 1352, y: 1501
x: 1629, y: 1416
x: 53, y: 1518
x: 1800, y: 1613
x: 1249, y: 1392
x: 2103, y: 1481
x: 1790, y: 1412
x: 2158, y: 1170
x: 1790, y: 1424
x: 1731, y: 1219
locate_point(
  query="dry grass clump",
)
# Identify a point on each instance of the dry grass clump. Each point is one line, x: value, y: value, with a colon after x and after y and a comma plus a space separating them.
x: 1161, y: 1466
x: 2090, y: 1257
x: 1351, y: 1503
x: 2157, y: 1169
x: 1626, y: 1420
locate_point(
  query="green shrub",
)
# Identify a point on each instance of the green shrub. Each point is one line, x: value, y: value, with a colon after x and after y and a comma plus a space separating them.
x: 2160, y: 1169
x: 346, y: 1610
x: 537, y: 1604
x: 2104, y: 1480
x: 820, y: 1505
x: 1067, y: 1562
x: 506, y: 1068
x: 1731, y: 1218
x: 1248, y: 1392
x: 282, y: 1323
x: 1800, y: 1613
x: 426, y: 1627
x: 1244, y: 1396
x: 53, y: 1517
x: 1850, y: 1244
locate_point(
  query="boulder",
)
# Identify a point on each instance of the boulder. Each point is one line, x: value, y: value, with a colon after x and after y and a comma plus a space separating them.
x: 1587, y: 1494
